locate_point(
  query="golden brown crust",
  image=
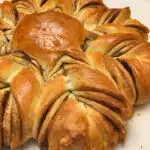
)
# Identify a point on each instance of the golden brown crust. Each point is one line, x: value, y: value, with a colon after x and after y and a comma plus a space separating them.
x: 94, y: 16
x: 116, y: 72
x: 69, y: 127
x: 16, y: 126
x: 52, y: 27
x: 135, y: 60
x: 70, y: 84
x: 115, y: 45
x: 51, y: 34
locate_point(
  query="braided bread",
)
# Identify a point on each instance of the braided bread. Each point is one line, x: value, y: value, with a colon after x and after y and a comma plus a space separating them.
x: 70, y: 73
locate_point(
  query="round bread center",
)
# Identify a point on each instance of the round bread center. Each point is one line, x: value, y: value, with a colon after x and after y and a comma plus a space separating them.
x: 48, y: 31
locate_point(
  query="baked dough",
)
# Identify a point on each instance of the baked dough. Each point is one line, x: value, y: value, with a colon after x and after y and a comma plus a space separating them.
x: 71, y: 72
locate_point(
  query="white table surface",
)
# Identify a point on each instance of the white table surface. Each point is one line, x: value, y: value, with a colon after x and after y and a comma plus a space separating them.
x: 139, y: 126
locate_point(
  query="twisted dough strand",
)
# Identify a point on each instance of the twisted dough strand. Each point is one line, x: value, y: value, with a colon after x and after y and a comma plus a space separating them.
x: 60, y: 94
x: 102, y: 20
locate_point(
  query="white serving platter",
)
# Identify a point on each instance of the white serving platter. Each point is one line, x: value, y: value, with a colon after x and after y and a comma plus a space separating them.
x: 138, y: 128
